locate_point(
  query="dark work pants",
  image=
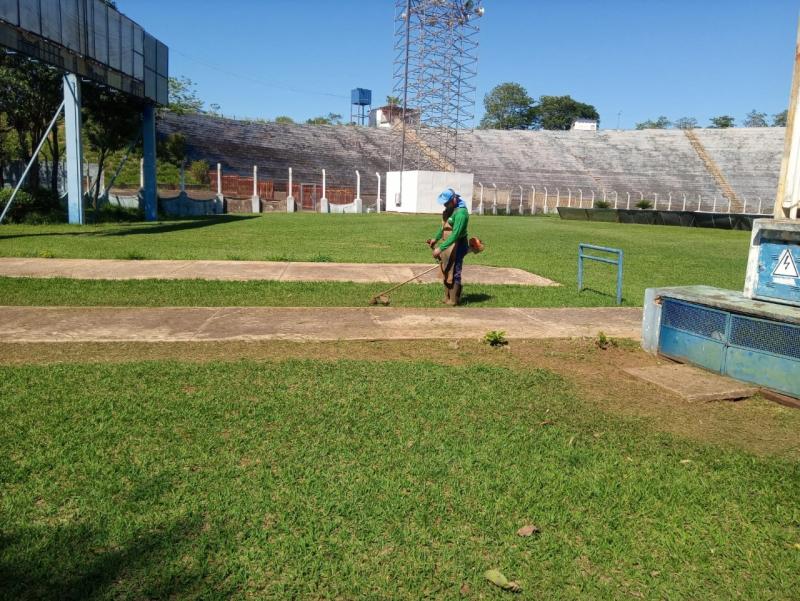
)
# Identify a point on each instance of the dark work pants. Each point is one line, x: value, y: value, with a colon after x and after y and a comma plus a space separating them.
x: 462, y: 248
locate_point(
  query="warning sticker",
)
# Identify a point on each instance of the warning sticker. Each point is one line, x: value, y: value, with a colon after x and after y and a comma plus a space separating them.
x: 786, y: 266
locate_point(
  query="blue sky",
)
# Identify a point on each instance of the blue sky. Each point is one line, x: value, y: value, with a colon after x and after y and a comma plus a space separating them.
x: 643, y: 58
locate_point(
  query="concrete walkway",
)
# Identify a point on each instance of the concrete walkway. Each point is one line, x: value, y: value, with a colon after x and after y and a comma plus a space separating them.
x: 105, y: 324
x: 108, y: 269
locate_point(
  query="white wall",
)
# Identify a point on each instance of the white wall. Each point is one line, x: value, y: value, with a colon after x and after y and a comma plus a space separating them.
x: 421, y: 188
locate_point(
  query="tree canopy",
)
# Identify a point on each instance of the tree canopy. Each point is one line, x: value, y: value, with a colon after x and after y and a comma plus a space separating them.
x: 779, y: 119
x: 685, y: 123
x: 722, y: 122
x: 661, y: 123
x: 755, y: 119
x: 183, y: 98
x: 331, y: 119
x: 508, y: 106
x: 560, y: 112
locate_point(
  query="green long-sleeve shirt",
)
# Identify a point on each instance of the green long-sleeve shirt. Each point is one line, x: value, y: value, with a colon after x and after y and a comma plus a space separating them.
x: 459, y: 220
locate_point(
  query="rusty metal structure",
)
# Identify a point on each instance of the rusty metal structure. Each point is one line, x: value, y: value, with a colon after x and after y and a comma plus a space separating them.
x: 436, y: 59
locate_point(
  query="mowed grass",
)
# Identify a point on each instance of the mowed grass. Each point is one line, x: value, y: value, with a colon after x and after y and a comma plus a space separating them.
x: 346, y: 480
x: 654, y: 256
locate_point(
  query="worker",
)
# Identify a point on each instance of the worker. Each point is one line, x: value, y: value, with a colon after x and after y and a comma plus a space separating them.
x: 450, y: 245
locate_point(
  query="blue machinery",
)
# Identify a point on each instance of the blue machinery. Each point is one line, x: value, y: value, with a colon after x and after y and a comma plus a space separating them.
x: 752, y: 335
x: 617, y: 262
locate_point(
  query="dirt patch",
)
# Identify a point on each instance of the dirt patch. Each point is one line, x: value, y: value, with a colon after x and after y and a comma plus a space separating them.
x: 756, y: 425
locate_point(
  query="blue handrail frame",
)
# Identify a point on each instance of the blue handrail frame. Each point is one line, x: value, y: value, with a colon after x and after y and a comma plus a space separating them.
x: 618, y: 262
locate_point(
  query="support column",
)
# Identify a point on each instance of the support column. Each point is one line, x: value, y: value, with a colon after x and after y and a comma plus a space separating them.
x: 72, y: 133
x: 150, y: 192
x: 255, y: 200
x: 290, y: 204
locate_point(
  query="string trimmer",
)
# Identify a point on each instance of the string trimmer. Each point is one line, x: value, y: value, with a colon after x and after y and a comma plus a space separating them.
x: 383, y: 297
x: 475, y: 246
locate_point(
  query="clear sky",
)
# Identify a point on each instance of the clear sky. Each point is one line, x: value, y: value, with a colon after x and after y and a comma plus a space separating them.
x: 643, y: 58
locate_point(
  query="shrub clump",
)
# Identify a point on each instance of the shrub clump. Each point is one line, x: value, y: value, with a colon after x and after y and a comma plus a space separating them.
x: 33, y: 208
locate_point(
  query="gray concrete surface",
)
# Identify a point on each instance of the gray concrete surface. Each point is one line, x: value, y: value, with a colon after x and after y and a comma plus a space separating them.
x: 110, y: 269
x: 107, y: 324
x: 693, y: 383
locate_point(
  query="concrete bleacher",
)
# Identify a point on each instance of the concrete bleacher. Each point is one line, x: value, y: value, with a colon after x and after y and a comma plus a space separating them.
x: 750, y: 159
x: 274, y: 147
x: 644, y: 163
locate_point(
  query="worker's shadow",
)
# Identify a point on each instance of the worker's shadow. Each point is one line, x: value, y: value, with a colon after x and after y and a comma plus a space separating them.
x: 475, y: 298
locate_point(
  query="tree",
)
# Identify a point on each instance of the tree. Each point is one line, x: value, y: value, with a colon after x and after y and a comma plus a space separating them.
x: 172, y: 148
x: 561, y: 112
x: 779, y: 119
x: 755, y: 119
x: 183, y: 98
x: 284, y: 119
x: 685, y: 123
x: 9, y: 149
x: 30, y: 93
x: 508, y: 106
x: 722, y: 122
x: 393, y: 100
x: 112, y: 121
x: 331, y: 119
x: 661, y: 123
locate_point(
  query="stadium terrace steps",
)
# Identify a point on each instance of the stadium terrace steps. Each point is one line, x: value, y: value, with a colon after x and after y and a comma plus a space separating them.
x: 645, y: 163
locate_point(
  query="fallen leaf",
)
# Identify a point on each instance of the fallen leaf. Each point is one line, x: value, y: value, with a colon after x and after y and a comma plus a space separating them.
x: 496, y: 577
x: 464, y: 589
x: 655, y: 573
x: 528, y: 530
x: 797, y: 545
x: 685, y: 461
x: 547, y: 422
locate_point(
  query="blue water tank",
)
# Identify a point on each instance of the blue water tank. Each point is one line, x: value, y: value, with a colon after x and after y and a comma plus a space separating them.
x: 361, y: 97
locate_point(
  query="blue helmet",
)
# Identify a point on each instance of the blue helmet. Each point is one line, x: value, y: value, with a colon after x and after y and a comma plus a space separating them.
x: 447, y: 195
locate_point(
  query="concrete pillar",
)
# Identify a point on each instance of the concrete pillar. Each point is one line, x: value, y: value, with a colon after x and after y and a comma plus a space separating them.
x: 324, y: 206
x: 72, y: 133
x: 256, y: 199
x: 358, y: 204
x: 150, y: 193
x: 290, y: 205
x: 219, y: 199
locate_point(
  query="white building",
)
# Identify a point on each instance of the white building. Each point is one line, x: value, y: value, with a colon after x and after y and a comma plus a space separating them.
x: 584, y: 125
x: 383, y: 115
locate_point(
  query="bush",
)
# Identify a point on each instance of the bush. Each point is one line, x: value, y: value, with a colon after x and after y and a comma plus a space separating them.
x: 40, y: 206
x: 602, y: 204
x: 199, y: 171
x: 644, y: 204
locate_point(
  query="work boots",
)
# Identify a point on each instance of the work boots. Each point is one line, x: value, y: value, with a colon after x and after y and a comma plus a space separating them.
x: 455, y: 295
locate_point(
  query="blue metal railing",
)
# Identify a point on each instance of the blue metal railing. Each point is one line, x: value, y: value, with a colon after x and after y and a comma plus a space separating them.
x: 617, y: 262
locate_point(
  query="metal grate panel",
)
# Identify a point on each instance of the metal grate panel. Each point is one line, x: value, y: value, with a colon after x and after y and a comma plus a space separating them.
x: 694, y: 319
x: 769, y: 336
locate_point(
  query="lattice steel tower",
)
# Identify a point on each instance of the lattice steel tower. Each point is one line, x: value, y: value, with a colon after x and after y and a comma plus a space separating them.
x: 436, y: 43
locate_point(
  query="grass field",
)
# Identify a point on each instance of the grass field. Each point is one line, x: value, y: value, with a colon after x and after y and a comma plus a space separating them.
x: 352, y: 479
x: 654, y: 256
